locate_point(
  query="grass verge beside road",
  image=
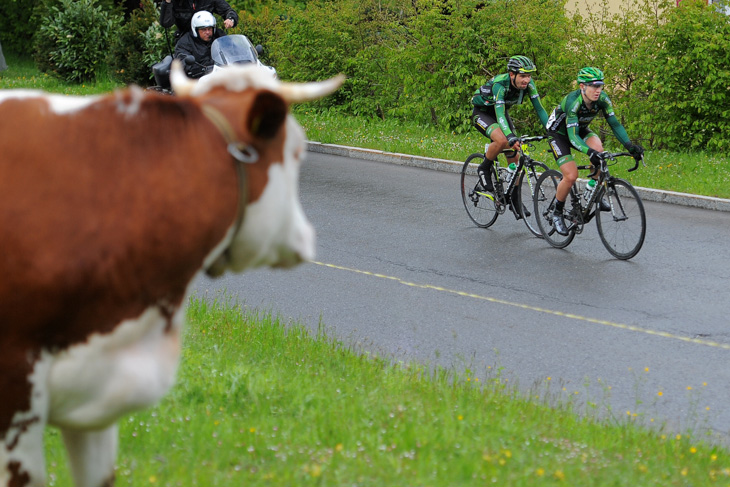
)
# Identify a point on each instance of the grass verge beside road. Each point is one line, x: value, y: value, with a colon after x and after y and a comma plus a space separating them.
x: 695, y: 173
x: 259, y: 402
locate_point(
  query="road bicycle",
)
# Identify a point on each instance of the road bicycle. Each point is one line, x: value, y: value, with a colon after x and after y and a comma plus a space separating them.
x: 516, y: 193
x: 622, y: 228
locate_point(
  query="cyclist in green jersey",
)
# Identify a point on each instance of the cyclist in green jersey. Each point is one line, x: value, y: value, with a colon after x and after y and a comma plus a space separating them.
x: 568, y: 127
x: 491, y: 112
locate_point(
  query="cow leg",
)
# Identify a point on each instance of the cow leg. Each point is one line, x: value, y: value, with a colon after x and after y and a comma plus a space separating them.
x: 92, y: 455
x: 21, y: 459
x: 23, y: 417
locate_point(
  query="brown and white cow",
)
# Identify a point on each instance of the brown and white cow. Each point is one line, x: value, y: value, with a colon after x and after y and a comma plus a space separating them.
x: 109, y: 206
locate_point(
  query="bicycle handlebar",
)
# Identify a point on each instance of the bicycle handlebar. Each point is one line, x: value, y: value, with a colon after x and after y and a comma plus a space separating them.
x: 611, y: 156
x: 526, y: 139
x: 614, y: 155
x: 636, y: 165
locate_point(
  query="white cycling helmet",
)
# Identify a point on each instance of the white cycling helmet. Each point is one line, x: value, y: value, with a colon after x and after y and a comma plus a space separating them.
x: 201, y: 19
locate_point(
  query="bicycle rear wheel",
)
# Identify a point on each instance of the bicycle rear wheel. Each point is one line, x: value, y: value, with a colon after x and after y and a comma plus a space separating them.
x: 479, y: 204
x: 546, y: 187
x: 622, y: 230
x: 527, y: 186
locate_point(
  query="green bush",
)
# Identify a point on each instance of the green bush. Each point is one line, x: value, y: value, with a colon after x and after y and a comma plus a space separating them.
x: 419, y: 59
x: 690, y: 99
x: 73, y: 39
x: 455, y: 46
x: 309, y: 47
x: 139, y: 43
x: 260, y: 29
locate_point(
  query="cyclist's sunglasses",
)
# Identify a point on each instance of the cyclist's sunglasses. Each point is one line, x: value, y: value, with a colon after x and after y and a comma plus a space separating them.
x: 595, y: 83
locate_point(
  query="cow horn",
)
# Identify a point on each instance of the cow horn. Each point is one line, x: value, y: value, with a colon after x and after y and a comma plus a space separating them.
x: 180, y: 83
x: 301, y: 92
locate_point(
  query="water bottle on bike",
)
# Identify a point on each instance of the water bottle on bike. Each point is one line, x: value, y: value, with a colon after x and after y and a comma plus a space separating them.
x: 511, y: 168
x: 588, y: 191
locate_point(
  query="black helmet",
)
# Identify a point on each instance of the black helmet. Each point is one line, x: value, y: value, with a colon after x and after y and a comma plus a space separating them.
x: 521, y: 64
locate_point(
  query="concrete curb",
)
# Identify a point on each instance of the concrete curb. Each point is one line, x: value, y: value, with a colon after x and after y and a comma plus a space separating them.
x: 671, y: 197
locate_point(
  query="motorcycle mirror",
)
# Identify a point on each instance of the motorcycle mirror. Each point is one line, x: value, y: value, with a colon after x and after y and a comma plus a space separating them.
x: 189, y: 59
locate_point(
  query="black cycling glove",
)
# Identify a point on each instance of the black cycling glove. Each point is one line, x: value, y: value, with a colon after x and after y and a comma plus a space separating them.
x: 595, y: 157
x: 637, y: 151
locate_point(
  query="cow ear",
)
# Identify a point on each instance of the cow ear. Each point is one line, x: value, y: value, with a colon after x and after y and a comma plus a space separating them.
x: 267, y: 115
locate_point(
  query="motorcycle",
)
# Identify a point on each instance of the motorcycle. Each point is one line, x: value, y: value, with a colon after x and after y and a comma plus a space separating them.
x: 225, y: 51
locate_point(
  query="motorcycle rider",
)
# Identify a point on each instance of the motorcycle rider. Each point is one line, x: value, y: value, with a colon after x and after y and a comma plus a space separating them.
x: 197, y: 43
x: 181, y: 12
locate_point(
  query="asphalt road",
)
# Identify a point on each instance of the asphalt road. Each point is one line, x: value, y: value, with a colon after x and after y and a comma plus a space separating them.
x: 401, y: 271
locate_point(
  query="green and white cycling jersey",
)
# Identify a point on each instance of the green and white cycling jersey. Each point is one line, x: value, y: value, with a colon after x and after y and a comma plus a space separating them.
x: 572, y: 117
x: 500, y: 95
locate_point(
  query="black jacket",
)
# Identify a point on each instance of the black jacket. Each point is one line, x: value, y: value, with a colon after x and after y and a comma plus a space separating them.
x: 189, y: 45
x: 180, y: 12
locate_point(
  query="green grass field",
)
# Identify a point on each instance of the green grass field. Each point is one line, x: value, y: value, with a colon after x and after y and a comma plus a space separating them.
x: 259, y: 402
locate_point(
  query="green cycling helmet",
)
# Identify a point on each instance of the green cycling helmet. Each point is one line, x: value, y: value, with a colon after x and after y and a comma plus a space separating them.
x: 521, y: 64
x: 590, y: 75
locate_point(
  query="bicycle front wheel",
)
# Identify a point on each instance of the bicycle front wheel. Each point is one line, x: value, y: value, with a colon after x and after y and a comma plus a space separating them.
x: 623, y: 229
x: 546, y: 188
x: 478, y: 203
x: 527, y: 186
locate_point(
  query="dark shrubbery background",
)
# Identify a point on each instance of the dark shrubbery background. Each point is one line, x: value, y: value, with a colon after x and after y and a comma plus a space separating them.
x: 667, y: 67
x: 139, y: 43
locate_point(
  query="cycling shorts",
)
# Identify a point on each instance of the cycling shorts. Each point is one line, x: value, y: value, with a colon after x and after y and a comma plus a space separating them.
x: 485, y: 120
x: 561, y: 147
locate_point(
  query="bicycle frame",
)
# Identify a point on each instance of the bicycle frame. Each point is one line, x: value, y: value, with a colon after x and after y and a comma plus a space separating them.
x: 524, y: 162
x: 621, y: 226
x: 576, y: 221
x: 483, y: 206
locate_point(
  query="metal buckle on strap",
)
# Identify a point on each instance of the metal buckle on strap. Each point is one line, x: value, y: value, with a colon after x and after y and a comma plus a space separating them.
x: 243, y: 153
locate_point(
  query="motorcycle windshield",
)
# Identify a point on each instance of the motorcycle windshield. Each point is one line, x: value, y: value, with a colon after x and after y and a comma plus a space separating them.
x: 233, y: 49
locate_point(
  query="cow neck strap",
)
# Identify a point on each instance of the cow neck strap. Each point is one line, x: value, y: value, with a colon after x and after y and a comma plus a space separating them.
x: 241, y: 152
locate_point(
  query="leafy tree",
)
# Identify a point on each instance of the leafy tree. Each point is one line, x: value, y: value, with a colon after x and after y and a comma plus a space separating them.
x: 691, y: 75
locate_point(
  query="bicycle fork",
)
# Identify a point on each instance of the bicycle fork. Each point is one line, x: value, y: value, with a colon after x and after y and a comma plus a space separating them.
x: 612, y: 197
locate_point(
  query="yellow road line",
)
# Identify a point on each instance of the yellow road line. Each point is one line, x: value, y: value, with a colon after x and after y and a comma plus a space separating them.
x: 537, y: 309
